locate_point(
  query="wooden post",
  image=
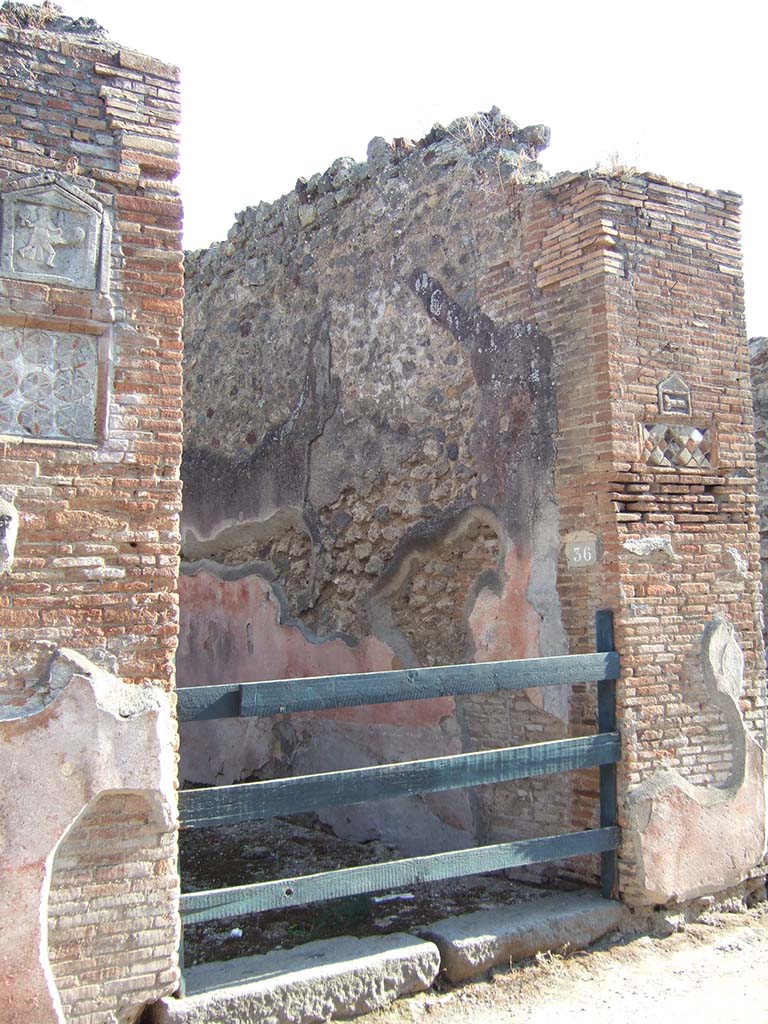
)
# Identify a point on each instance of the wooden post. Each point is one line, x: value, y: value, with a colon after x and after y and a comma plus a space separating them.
x: 181, y: 991
x: 606, y: 722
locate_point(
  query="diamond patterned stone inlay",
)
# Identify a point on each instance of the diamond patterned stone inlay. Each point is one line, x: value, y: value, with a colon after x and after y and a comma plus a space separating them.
x: 667, y: 444
x: 47, y: 384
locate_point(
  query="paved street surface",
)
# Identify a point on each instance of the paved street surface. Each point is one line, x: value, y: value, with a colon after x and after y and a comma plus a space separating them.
x: 714, y: 972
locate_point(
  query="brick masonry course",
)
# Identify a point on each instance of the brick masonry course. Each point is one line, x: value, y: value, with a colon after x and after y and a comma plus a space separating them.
x: 91, y: 250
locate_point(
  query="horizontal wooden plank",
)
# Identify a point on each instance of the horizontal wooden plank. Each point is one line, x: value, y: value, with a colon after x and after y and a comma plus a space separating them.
x: 323, y: 692
x: 291, y: 892
x: 204, y: 703
x: 223, y: 805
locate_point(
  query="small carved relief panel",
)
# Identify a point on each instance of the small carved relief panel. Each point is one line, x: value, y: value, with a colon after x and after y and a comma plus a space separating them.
x: 674, y: 396
x: 48, y: 384
x: 53, y: 232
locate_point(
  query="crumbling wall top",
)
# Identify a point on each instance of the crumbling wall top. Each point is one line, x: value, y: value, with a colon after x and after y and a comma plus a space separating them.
x: 491, y: 140
x: 51, y: 18
x: 50, y: 27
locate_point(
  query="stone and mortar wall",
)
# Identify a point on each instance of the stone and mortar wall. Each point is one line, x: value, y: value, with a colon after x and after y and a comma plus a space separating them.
x: 417, y: 389
x: 368, y: 470
x: 90, y: 443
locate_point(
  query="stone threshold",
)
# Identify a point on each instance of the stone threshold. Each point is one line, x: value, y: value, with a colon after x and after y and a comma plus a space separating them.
x: 337, y: 979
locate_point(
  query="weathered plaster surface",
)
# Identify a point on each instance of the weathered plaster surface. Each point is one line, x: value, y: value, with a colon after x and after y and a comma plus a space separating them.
x: 239, y: 620
x: 758, y: 353
x: 87, y: 734
x: 690, y: 839
x: 9, y: 531
x: 369, y: 460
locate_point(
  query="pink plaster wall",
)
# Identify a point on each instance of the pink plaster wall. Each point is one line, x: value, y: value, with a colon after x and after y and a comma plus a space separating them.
x: 230, y: 633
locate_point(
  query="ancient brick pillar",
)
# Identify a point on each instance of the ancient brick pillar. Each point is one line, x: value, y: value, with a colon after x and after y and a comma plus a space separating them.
x: 90, y: 442
x: 640, y: 281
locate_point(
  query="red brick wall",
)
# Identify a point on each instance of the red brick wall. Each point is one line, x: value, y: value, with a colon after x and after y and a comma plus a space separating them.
x: 97, y: 553
x: 108, y: 935
x: 636, y: 279
x: 680, y: 308
x: 96, y: 558
x: 653, y: 290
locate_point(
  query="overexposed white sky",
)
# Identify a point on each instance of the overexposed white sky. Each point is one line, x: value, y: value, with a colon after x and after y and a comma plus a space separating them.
x: 274, y: 91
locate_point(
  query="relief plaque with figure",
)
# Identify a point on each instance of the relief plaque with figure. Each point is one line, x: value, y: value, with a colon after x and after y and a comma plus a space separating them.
x: 53, y: 232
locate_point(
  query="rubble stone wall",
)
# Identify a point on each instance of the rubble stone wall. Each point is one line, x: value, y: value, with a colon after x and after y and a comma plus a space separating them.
x: 442, y: 407
x: 369, y: 466
x: 90, y: 444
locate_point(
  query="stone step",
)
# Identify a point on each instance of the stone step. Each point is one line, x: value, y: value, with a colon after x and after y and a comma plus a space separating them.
x: 347, y: 977
x: 319, y: 981
x: 472, y: 944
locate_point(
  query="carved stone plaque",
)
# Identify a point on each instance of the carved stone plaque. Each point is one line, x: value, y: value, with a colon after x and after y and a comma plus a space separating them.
x: 52, y: 232
x: 674, y: 396
x: 48, y: 384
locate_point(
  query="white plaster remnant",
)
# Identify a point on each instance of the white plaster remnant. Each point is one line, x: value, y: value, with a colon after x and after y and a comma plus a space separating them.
x: 9, y: 529
x: 85, y: 735
x: 674, y: 396
x: 54, y: 232
x: 740, y: 563
x: 582, y: 549
x: 656, y: 548
x: 48, y: 382
x: 693, y: 840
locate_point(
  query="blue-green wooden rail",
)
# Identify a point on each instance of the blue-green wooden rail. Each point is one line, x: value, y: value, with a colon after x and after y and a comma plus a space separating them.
x: 321, y: 693
x: 246, y: 801
x: 292, y: 892
x: 220, y: 805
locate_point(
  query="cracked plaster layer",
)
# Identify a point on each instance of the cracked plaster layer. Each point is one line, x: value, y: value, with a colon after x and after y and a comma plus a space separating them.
x: 87, y: 734
x: 377, y: 451
x: 228, y: 751
x: 692, y: 840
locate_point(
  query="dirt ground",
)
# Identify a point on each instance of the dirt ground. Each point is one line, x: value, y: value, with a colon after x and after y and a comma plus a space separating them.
x: 258, y: 851
x: 713, y: 971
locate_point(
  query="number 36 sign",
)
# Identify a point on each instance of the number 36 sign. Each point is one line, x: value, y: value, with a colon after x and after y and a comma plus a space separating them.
x: 581, y: 550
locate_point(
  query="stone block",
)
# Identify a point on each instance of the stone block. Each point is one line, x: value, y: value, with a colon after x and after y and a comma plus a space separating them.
x: 472, y: 944
x: 326, y: 980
